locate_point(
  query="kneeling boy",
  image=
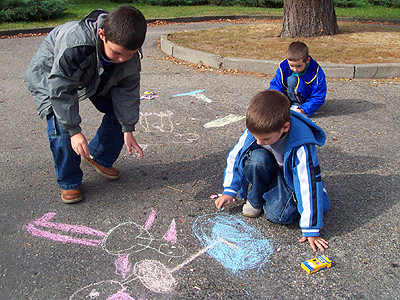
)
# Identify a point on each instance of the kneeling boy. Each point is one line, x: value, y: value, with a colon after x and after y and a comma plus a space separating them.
x: 275, y: 166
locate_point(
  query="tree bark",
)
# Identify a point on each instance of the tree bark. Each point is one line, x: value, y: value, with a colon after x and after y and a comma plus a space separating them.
x: 305, y: 18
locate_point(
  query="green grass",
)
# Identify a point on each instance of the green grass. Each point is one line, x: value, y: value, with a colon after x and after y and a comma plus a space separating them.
x: 77, y: 10
x: 377, y: 12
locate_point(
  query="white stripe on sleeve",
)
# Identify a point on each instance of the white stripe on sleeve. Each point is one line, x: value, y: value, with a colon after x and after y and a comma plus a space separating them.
x: 303, y: 176
x: 232, y: 159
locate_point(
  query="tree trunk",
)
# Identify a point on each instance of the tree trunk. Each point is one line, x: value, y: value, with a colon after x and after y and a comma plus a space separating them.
x: 305, y: 18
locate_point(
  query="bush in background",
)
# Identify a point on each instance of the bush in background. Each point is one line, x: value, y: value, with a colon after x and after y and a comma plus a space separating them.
x: 388, y: 3
x: 30, y: 10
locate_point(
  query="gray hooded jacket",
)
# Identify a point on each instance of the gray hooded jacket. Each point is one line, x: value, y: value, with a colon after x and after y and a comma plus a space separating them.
x: 66, y: 69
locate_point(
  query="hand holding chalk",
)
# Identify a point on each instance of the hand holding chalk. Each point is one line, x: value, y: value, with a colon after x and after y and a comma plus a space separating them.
x: 222, y: 201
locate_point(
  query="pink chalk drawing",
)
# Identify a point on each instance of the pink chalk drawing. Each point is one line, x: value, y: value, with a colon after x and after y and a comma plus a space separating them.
x: 171, y: 234
x: 120, y: 295
x: 45, y: 222
x: 150, y: 220
x: 122, y: 265
x: 121, y: 240
x: 220, y: 234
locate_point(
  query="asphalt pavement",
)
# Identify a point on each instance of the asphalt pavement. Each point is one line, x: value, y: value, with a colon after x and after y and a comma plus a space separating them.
x: 155, y: 233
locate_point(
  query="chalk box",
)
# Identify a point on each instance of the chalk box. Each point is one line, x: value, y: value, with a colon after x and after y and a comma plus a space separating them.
x: 314, y: 265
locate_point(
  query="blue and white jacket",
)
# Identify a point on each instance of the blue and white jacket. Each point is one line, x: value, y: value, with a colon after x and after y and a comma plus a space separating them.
x: 300, y: 166
x: 312, y: 85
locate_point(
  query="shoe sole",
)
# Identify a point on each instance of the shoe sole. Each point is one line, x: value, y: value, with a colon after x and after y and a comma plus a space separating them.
x: 71, y: 200
x: 250, y: 215
x: 88, y: 163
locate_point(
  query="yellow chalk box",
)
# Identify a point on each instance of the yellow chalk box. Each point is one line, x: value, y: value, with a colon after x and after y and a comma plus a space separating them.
x: 314, y: 265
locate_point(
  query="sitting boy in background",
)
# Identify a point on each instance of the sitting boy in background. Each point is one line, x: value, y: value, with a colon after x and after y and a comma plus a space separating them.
x: 302, y: 79
x: 275, y: 166
x: 96, y: 58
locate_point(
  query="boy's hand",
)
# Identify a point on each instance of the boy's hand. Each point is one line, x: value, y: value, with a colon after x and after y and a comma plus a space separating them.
x: 131, y: 142
x: 223, y: 201
x: 80, y: 144
x: 315, y: 241
x: 301, y: 111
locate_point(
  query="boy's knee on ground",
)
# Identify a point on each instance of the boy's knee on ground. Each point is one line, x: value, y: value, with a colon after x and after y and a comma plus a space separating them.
x: 260, y: 156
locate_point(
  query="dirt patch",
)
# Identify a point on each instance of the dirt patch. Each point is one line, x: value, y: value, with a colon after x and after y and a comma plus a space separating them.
x: 356, y: 43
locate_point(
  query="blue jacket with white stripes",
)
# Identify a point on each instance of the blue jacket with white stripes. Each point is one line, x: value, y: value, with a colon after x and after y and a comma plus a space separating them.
x: 300, y: 166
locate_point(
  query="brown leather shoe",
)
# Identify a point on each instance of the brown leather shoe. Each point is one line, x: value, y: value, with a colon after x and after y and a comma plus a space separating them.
x: 71, y: 196
x: 109, y: 173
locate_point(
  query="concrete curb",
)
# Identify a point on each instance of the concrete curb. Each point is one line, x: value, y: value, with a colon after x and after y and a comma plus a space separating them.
x: 361, y: 71
x: 356, y: 71
x: 12, y: 32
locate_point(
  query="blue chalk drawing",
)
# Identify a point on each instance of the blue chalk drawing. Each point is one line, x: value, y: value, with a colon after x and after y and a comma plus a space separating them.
x: 190, y: 93
x: 241, y: 246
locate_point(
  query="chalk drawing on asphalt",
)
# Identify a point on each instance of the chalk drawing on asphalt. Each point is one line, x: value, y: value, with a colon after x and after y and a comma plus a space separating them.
x: 127, y: 237
x: 234, y: 244
x: 163, y: 122
x: 154, y: 275
x: 251, y: 249
x: 196, y: 94
x: 224, y: 121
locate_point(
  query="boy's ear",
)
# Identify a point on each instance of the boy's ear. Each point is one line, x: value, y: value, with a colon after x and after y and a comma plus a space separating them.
x: 286, y: 127
x: 308, y: 60
x: 101, y: 34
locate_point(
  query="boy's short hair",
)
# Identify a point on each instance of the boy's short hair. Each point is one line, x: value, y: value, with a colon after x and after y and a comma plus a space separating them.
x: 297, y: 51
x: 126, y: 27
x: 268, y: 112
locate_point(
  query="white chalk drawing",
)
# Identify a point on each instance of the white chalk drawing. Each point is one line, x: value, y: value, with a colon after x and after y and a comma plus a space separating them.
x: 163, y: 122
x: 226, y: 238
x: 224, y: 121
x: 201, y: 97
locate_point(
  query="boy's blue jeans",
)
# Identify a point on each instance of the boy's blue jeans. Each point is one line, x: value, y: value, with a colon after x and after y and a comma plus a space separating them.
x: 104, y: 148
x: 296, y: 98
x: 267, y: 187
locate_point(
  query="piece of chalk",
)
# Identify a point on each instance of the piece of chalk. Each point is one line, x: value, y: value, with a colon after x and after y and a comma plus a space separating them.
x: 222, y: 208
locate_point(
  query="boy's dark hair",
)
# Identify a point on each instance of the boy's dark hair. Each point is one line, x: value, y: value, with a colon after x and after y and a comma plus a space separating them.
x: 268, y: 112
x: 297, y: 51
x: 125, y: 26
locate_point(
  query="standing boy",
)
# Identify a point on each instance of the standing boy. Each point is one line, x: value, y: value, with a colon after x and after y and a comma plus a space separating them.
x: 275, y: 166
x: 301, y: 78
x: 96, y: 58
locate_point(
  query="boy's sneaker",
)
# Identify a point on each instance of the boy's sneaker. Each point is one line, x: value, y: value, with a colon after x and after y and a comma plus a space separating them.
x: 250, y: 211
x: 109, y: 173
